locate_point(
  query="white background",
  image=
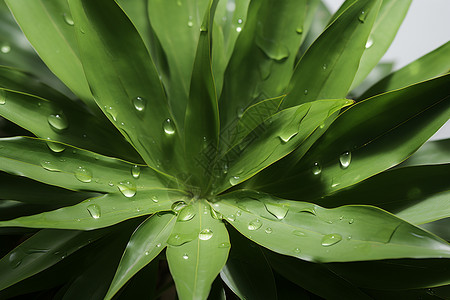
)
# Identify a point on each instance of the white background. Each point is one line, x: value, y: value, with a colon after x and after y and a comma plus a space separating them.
x: 426, y: 27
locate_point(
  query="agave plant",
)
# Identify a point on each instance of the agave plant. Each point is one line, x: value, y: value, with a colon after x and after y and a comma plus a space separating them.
x: 235, y: 142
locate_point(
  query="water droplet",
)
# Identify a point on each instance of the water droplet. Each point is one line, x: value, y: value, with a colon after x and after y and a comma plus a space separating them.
x: 178, y: 206
x: 110, y: 183
x: 268, y: 230
x: 351, y: 221
x: 254, y: 225
x: 178, y: 239
x: 205, y: 234
x: 36, y: 251
x: 362, y: 16
x: 139, y: 103
x: 331, y: 239
x: 94, y: 211
x: 2, y: 97
x: 58, y: 121
x: 185, y: 256
x: 190, y: 23
x: 147, y: 253
x: 238, y: 213
x: 83, y: 175
x: 234, y: 180
x: 298, y: 233
x: 278, y: 211
x: 155, y: 198
x: 316, y: 169
x: 345, y: 159
x: 203, y: 28
x: 239, y: 21
x: 324, y: 66
x: 238, y: 29
x: 216, y: 215
x: 299, y: 30
x: 297, y: 250
x: 231, y: 218
x: 135, y: 171
x: 56, y: 147
x: 49, y: 166
x: 287, y: 137
x: 112, y: 112
x: 68, y: 19
x: 158, y: 245
x: 224, y: 245
x: 186, y: 213
x: 168, y: 127
x: 127, y: 188
x: 5, y: 48
x: 15, y: 259
x: 305, y: 92
x: 369, y: 43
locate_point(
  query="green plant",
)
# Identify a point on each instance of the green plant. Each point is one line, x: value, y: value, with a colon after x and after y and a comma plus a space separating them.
x: 183, y: 126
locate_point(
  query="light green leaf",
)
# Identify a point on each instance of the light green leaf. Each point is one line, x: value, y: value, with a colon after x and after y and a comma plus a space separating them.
x: 48, y: 25
x: 73, y: 168
x: 102, y: 211
x: 127, y: 87
x: 333, y: 59
x: 433, y: 64
x: 41, y: 251
x: 148, y: 240
x: 197, y: 251
x: 313, y: 233
x: 370, y: 137
x: 387, y: 23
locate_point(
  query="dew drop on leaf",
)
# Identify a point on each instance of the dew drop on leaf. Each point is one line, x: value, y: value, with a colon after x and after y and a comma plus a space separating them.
x: 238, y: 29
x: 299, y: 30
x: 278, y: 211
x: 331, y: 239
x: 14, y: 259
x: 345, y: 159
x: 298, y: 233
x: 297, y: 250
x: 58, y: 121
x: 56, y: 147
x: 316, y: 169
x: 135, y: 171
x: 254, y: 225
x: 94, y: 211
x: 2, y: 97
x: 5, y: 48
x: 287, y: 137
x: 268, y: 230
x: 168, y: 127
x: 112, y: 112
x: 186, y: 213
x: 234, y: 180
x: 68, y: 19
x: 178, y: 206
x: 324, y: 66
x: 154, y: 198
x: 83, y: 174
x: 185, y: 256
x: 127, y: 188
x: 362, y: 16
x: 305, y: 92
x: 224, y: 245
x: 231, y: 218
x: 139, y: 103
x: 369, y: 43
x: 205, y: 234
x: 49, y: 166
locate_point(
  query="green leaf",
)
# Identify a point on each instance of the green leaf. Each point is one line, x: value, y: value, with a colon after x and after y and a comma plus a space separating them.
x: 379, y: 71
x: 41, y: 251
x: 197, y: 251
x: 49, y: 27
x: 247, y: 272
x: 73, y: 168
x: 313, y: 277
x: 416, y: 194
x: 332, y: 60
x: 177, y: 26
x: 433, y: 64
x: 202, y: 111
x: 59, y: 119
x: 432, y: 152
x: 370, y: 137
x: 313, y: 233
x: 102, y: 211
x: 145, y: 244
x: 387, y: 23
x: 284, y: 132
x: 263, y: 63
x: 127, y: 87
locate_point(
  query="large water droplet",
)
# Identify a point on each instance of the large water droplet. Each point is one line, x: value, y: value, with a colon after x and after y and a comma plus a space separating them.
x: 56, y: 147
x: 2, y: 97
x: 369, y: 43
x: 278, y: 211
x: 185, y: 256
x: 234, y: 180
x: 58, y: 121
x: 127, y: 188
x: 112, y: 112
x: 139, y: 103
x: 186, y: 213
x: 94, y: 211
x: 178, y: 206
x: 238, y: 29
x: 254, y: 225
x: 135, y: 171
x: 216, y: 215
x: 316, y: 169
x: 362, y: 16
x: 345, y: 159
x: 155, y: 198
x: 5, y: 48
x: 49, y: 166
x: 286, y: 137
x: 205, y: 234
x: 231, y: 218
x: 68, y: 19
x: 83, y: 174
x: 331, y: 239
x: 168, y: 127
x: 15, y: 259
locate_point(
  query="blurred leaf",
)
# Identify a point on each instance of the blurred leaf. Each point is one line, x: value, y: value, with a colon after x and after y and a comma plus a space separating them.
x: 332, y: 60
x: 440, y: 228
x: 42, y: 250
x: 247, y: 272
x: 197, y: 251
x: 313, y: 233
x: 380, y: 71
x: 387, y: 23
x: 147, y: 241
x: 428, y: 66
x: 127, y: 87
x: 432, y: 152
x: 217, y: 290
x: 49, y: 27
x: 368, y: 138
